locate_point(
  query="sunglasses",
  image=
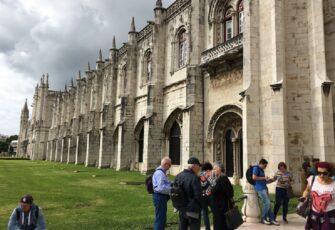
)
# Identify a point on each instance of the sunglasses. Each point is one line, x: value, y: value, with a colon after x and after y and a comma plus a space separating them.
x: 323, y: 173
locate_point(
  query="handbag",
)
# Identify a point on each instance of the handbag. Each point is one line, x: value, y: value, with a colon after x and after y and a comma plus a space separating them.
x: 304, y: 208
x: 233, y: 218
x: 289, y: 192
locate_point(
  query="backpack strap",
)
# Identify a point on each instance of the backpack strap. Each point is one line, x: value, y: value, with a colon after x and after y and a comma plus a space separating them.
x: 37, y: 212
x: 158, y: 169
x: 18, y: 214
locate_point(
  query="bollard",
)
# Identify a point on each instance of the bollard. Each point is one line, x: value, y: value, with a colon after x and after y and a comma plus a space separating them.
x: 250, y: 209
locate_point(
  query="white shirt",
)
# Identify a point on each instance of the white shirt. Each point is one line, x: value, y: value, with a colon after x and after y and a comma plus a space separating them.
x: 323, y: 195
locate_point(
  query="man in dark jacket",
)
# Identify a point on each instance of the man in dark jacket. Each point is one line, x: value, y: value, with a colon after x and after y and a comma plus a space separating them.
x: 189, y: 216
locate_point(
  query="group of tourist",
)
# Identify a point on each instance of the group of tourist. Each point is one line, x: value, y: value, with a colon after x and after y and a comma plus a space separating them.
x: 209, y: 189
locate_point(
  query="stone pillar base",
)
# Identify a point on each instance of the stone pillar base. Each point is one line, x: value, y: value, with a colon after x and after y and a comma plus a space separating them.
x: 250, y: 209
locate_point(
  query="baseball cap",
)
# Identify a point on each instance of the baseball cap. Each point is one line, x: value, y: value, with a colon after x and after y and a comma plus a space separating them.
x: 26, y: 199
x: 193, y: 161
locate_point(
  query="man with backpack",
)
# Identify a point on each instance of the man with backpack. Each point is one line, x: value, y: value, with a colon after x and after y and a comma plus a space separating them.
x: 261, y: 188
x: 27, y: 216
x: 161, y: 189
x: 188, y: 180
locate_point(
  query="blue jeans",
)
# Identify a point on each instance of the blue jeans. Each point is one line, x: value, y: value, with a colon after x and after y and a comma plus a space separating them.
x: 266, y: 211
x: 208, y: 202
x: 281, y: 197
x: 160, y: 203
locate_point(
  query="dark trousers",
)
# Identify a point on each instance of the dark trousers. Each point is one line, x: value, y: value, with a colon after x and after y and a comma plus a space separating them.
x: 281, y: 198
x: 160, y: 203
x: 219, y: 218
x: 186, y: 222
x: 207, y: 202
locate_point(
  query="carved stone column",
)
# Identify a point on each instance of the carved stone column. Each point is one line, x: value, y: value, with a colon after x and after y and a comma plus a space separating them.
x: 250, y: 209
x: 235, y: 142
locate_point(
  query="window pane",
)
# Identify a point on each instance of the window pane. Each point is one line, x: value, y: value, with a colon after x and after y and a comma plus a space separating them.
x: 229, y: 29
x: 241, y: 21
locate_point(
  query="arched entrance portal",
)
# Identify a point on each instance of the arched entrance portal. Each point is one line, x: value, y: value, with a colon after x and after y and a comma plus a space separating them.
x: 225, y: 131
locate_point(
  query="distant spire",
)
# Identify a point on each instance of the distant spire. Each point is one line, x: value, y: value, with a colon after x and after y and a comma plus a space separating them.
x: 114, y: 43
x: 25, y: 107
x: 65, y: 88
x: 100, y: 55
x: 79, y: 75
x: 47, y: 79
x: 132, y: 26
x: 88, y: 66
x: 72, y: 85
x: 159, y: 4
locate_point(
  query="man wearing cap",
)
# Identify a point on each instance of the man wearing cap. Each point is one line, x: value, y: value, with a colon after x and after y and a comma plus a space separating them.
x: 189, y: 216
x: 27, y: 216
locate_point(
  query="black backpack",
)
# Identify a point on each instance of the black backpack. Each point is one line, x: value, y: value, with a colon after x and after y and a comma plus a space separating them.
x: 178, y: 196
x: 148, y: 182
x: 248, y: 175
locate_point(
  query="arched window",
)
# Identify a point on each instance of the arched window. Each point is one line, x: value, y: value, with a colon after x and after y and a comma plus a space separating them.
x: 141, y: 145
x: 240, y: 17
x: 174, y: 144
x: 228, y: 24
x: 182, y: 41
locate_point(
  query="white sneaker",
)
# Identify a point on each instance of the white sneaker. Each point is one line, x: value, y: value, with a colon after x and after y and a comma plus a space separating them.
x: 275, y: 223
x: 265, y: 222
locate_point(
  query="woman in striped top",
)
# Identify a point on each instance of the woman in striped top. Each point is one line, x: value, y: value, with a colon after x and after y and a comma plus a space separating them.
x: 284, y: 180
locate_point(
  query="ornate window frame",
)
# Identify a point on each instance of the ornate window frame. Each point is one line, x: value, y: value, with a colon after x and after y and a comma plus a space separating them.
x: 146, y: 75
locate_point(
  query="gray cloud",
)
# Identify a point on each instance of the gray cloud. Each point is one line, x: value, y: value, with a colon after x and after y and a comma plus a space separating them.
x: 59, y: 38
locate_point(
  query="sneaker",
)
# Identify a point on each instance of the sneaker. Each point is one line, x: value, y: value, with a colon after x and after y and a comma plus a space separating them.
x: 265, y: 222
x: 274, y: 223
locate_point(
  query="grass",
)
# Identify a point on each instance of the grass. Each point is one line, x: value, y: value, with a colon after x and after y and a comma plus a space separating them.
x: 77, y: 197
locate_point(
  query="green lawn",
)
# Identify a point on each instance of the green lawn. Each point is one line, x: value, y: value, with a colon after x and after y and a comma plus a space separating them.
x: 77, y: 197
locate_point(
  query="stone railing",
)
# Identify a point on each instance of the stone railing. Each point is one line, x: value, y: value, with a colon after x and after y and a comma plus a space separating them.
x: 176, y: 7
x: 146, y: 31
x: 222, y: 49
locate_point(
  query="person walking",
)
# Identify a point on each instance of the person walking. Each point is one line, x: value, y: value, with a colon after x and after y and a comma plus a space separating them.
x: 27, y: 216
x: 206, y: 178
x: 284, y: 179
x: 321, y: 188
x: 222, y: 193
x: 261, y: 181
x: 162, y: 188
x: 189, y: 214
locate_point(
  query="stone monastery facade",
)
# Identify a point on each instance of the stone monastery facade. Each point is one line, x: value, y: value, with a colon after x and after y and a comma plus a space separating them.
x: 222, y: 80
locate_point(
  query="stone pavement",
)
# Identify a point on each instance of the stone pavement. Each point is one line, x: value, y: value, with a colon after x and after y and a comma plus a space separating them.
x: 295, y: 223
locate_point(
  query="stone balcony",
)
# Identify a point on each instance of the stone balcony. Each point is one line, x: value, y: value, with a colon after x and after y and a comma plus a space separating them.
x: 223, y: 56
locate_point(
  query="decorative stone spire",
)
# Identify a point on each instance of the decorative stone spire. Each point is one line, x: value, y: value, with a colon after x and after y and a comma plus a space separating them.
x: 79, y: 74
x: 159, y: 4
x: 25, y: 107
x: 65, y: 89
x: 72, y: 85
x: 100, y: 55
x: 132, y: 26
x: 47, y: 81
x: 114, y: 43
x: 88, y: 67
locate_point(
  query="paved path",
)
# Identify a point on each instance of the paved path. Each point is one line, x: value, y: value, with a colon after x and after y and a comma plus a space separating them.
x: 295, y: 223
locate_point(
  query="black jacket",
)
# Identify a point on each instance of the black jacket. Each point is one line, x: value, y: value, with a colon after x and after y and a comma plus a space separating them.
x: 190, y: 183
x: 222, y: 193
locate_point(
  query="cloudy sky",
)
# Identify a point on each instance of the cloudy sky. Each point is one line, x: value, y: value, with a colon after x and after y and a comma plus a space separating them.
x: 57, y: 37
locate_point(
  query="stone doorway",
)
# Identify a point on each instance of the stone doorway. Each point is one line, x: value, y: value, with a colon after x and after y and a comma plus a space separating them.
x: 225, y: 134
